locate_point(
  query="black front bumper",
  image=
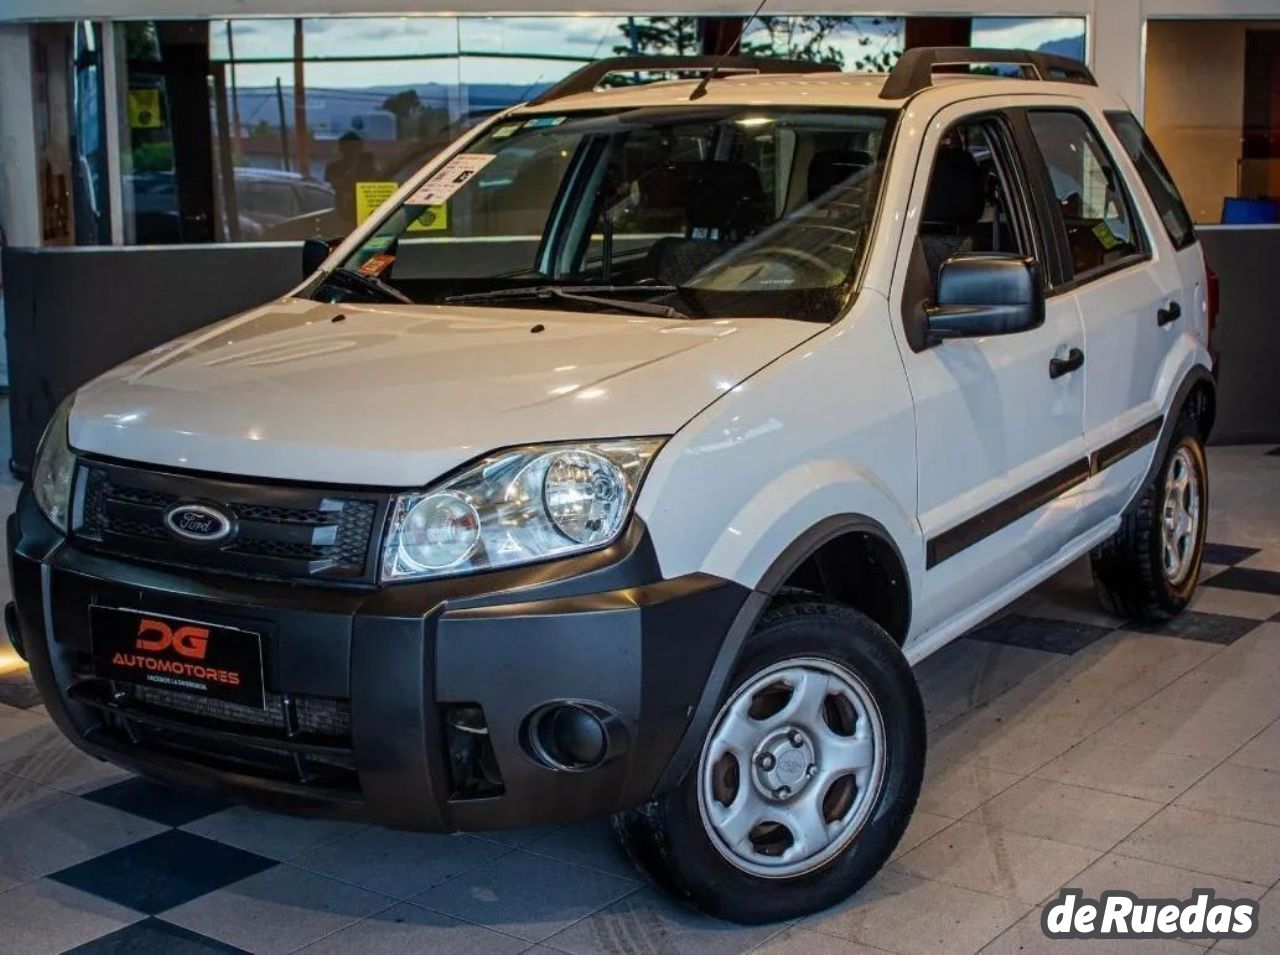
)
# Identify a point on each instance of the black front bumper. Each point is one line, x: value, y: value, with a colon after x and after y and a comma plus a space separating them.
x: 365, y: 680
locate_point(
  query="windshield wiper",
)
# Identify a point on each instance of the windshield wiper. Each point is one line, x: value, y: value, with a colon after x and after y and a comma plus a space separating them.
x: 582, y: 293
x: 368, y: 283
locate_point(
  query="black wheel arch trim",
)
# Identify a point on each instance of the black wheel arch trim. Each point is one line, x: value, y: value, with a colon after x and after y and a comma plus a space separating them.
x: 758, y: 600
x: 1196, y: 376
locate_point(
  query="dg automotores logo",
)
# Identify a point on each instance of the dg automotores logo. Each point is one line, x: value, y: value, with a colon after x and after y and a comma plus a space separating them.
x: 1124, y: 915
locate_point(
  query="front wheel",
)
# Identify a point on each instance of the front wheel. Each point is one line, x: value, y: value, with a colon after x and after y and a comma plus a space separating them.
x: 807, y: 777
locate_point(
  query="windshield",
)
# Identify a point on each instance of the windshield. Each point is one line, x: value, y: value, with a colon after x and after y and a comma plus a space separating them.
x: 720, y: 212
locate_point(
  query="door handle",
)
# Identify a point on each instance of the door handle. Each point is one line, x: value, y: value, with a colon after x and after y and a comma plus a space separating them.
x: 1063, y: 366
x: 1170, y: 313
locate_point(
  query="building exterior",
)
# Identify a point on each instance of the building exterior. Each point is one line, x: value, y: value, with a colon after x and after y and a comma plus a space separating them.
x: 187, y: 147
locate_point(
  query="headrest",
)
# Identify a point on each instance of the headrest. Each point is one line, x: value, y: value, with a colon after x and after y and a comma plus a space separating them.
x: 957, y: 193
x: 725, y: 199
x: 831, y: 167
x: 667, y: 186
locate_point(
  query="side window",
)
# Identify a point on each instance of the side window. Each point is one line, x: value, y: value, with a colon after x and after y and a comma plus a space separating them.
x: 1155, y: 177
x: 1100, y: 226
x: 974, y: 201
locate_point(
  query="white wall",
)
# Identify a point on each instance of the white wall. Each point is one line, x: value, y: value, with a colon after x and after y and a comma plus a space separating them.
x: 19, y: 195
x: 19, y: 186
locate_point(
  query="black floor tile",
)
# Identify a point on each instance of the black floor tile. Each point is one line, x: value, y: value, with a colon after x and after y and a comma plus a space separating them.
x: 1227, y: 554
x: 154, y: 937
x: 157, y: 803
x: 1247, y: 578
x: 166, y: 870
x: 1207, y: 627
x: 1034, y: 633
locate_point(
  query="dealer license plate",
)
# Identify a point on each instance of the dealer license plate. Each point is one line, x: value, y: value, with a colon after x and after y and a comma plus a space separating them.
x: 184, y: 656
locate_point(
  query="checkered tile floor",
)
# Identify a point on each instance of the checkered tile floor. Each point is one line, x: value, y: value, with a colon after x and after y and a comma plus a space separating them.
x: 1067, y: 748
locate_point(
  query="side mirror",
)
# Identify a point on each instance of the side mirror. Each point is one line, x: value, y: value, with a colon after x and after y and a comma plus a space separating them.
x: 314, y: 251
x: 982, y: 295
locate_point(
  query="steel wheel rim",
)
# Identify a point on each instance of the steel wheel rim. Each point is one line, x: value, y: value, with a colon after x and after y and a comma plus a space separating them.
x: 824, y: 745
x: 1180, y: 516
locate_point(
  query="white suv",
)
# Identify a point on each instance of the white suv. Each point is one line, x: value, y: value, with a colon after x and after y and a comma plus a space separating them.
x: 626, y: 459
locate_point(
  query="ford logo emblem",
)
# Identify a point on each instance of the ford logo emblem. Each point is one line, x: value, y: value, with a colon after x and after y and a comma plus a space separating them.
x: 198, y: 522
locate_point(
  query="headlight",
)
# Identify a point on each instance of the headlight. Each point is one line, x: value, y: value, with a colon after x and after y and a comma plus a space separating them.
x: 516, y: 507
x: 55, y: 466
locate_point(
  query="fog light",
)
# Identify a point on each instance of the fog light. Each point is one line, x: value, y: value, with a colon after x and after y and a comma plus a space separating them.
x: 568, y: 736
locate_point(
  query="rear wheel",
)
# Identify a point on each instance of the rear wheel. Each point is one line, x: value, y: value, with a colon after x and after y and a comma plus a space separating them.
x: 1150, y: 569
x: 807, y: 776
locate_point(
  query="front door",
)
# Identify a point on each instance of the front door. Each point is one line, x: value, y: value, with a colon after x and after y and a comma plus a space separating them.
x: 999, y: 436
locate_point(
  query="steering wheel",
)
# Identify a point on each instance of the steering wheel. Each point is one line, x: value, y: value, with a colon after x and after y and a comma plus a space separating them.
x: 813, y: 263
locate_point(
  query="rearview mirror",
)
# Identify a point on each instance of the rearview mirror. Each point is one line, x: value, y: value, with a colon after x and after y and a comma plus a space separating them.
x: 982, y: 295
x: 314, y: 251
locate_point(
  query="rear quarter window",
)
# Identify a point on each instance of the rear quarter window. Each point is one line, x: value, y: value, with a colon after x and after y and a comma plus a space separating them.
x: 1155, y: 177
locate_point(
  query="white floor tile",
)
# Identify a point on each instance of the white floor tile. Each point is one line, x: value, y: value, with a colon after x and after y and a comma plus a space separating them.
x: 277, y: 911
x: 1136, y: 771
x: 46, y: 917
x: 907, y: 914
x: 1207, y: 842
x: 996, y: 861
x: 1064, y: 813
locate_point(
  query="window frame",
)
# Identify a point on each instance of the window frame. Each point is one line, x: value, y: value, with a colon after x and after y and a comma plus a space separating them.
x: 1005, y: 143
x: 1152, y: 155
x: 1062, y: 278
x: 1003, y: 130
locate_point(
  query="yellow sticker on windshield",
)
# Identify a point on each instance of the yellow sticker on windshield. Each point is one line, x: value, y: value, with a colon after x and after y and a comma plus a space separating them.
x: 144, y: 109
x: 1108, y: 239
x: 432, y: 219
x: 370, y: 195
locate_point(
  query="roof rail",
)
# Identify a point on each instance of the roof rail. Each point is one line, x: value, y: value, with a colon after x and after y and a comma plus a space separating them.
x: 589, y: 77
x: 914, y: 70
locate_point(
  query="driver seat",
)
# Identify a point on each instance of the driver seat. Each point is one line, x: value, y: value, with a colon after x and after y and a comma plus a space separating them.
x: 725, y: 205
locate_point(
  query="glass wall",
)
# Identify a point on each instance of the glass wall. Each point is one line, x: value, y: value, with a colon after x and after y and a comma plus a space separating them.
x: 279, y: 129
x: 1213, y: 110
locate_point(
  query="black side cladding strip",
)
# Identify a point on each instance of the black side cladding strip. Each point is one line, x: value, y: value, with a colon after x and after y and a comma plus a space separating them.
x: 981, y: 526
x: 1124, y: 446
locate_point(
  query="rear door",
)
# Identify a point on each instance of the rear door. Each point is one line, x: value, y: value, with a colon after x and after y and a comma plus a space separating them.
x: 1126, y: 283
x: 1166, y: 205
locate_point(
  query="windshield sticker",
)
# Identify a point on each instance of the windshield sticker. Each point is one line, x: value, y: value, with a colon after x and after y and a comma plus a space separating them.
x: 1106, y: 237
x: 375, y: 265
x: 449, y: 178
x: 432, y: 219
x: 370, y: 195
x: 510, y: 129
x: 544, y: 122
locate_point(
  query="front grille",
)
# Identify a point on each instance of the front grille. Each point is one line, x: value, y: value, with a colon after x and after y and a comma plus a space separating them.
x: 313, y: 715
x: 303, y: 740
x: 282, y: 531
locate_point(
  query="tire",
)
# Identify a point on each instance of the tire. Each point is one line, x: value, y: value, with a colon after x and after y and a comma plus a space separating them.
x: 1132, y: 571
x: 855, y: 663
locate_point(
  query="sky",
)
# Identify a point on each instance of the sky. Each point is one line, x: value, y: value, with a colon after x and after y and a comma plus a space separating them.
x: 582, y: 37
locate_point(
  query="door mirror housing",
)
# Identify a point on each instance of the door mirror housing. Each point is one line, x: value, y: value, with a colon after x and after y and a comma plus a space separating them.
x: 314, y: 251
x: 980, y: 295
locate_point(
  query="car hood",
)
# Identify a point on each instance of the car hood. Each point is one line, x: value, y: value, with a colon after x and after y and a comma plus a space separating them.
x: 400, y: 395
